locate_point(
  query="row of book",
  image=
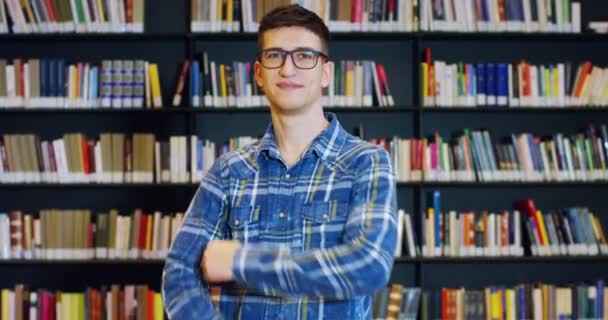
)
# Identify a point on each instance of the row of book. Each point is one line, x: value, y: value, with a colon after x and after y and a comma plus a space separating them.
x: 54, y: 234
x: 112, y: 158
x: 394, y: 16
x: 355, y: 83
x: 536, y: 301
x: 496, y: 15
x: 473, y: 155
x: 478, y: 155
x: 519, y: 84
x: 107, y: 302
x: 54, y: 83
x: 566, y: 232
x: 524, y: 301
x: 60, y: 16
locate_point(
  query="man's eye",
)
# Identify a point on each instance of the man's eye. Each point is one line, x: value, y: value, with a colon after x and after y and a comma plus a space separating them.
x: 273, y: 55
x: 305, y: 55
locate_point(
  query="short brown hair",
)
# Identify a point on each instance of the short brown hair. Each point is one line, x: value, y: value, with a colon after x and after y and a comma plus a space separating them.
x: 294, y: 16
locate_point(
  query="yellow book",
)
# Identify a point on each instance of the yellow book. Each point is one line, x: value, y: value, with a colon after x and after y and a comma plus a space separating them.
x: 74, y: 83
x: 5, y: 305
x: 28, y: 11
x: 424, y: 71
x: 100, y: 10
x: 606, y: 83
x: 510, y: 304
x: 159, y: 313
x: 545, y: 293
x: 66, y: 305
x: 548, y: 86
x: 501, y: 304
x: 81, y: 306
x: 542, y: 227
x: 430, y: 231
x: 555, y: 82
x: 495, y: 305
x: 75, y: 306
x: 219, y: 14
x: 229, y: 10
x: 149, y: 232
x: 157, y: 99
x: 223, y: 80
x: 349, y: 89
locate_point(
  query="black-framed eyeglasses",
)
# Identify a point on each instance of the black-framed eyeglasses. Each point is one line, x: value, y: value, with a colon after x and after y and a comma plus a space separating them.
x: 301, y: 58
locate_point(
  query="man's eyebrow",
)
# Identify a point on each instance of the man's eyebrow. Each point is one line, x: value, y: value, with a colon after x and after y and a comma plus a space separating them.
x: 297, y: 48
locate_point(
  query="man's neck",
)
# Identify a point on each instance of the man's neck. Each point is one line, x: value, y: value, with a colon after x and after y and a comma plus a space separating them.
x: 294, y: 132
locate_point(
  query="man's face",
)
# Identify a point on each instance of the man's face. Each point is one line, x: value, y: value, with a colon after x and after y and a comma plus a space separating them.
x: 289, y: 88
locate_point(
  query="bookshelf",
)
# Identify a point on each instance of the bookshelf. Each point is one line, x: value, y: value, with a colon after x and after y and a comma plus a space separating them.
x: 167, y: 41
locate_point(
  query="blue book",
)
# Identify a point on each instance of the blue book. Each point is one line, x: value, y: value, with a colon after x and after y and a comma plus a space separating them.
x: 491, y: 83
x: 472, y: 80
x: 599, y: 313
x: 587, y: 226
x: 485, y: 11
x: 53, y: 78
x: 518, y: 13
x: 532, y: 148
x: 94, y: 85
x: 44, y: 77
x: 437, y: 208
x: 195, y: 94
x: 367, y: 83
x: 522, y: 302
x: 502, y: 84
x: 62, y: 76
x: 481, y: 84
x: 578, y: 225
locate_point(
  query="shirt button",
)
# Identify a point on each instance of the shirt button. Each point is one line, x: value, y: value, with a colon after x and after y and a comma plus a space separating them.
x: 325, y: 216
x: 287, y: 176
x: 236, y: 222
x: 282, y: 215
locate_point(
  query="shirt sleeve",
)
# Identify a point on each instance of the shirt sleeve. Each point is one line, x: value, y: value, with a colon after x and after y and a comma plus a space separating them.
x: 185, y: 293
x: 360, y: 265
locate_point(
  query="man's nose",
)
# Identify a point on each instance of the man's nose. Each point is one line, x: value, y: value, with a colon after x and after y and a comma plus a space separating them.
x: 288, y: 68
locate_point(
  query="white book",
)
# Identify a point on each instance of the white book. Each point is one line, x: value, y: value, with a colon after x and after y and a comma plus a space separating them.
x: 576, y: 17
x: 410, y: 236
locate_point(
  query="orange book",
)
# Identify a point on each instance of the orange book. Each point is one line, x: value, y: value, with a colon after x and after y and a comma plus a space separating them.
x: 583, y: 77
x: 129, y: 11
x: 150, y: 305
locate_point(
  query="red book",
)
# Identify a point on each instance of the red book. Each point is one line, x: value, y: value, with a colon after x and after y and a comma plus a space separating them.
x: 150, y: 305
x: 129, y: 11
x: 357, y: 11
x: 527, y: 206
x: 444, y: 304
x: 141, y: 242
x: 50, y: 10
x: 85, y: 156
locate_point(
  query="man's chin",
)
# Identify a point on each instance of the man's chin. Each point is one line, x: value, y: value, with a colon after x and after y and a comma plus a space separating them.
x: 289, y: 107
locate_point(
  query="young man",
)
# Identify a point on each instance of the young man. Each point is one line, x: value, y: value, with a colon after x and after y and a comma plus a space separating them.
x: 300, y: 225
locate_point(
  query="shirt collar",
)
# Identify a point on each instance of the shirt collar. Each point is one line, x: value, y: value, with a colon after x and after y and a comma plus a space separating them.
x: 326, y: 145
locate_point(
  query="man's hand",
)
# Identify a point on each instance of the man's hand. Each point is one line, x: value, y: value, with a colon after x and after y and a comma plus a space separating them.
x: 216, y: 263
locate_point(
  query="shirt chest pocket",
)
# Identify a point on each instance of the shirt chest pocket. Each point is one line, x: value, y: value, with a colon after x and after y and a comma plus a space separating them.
x: 244, y: 223
x: 323, y: 223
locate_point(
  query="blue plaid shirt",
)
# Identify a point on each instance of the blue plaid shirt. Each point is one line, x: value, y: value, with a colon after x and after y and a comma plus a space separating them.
x: 318, y: 238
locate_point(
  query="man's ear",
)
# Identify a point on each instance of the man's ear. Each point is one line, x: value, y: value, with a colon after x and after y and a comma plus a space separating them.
x: 257, y: 70
x: 328, y: 71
